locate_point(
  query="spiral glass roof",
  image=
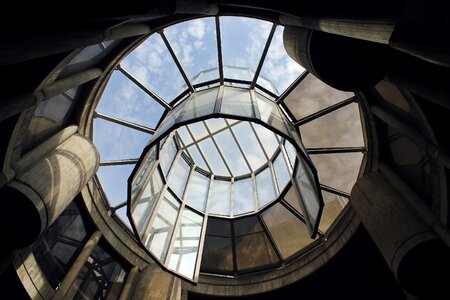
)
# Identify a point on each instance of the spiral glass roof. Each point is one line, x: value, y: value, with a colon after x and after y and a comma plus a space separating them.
x: 238, y: 52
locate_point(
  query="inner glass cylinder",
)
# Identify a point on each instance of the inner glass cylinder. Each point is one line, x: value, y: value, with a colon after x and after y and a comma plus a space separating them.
x: 224, y: 152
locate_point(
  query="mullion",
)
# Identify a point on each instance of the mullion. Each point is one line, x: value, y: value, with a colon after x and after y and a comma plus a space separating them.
x: 259, y: 141
x: 335, y: 150
x: 147, y: 90
x: 199, y: 149
x: 209, y: 135
x: 124, y: 123
x: 263, y: 56
x: 332, y: 190
x: 292, y: 87
x: 219, y: 51
x: 218, y: 149
x: 325, y: 111
x: 239, y: 146
x: 120, y: 162
x: 177, y: 62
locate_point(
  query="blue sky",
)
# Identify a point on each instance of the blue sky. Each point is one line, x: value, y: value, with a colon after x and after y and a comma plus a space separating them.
x: 194, y: 43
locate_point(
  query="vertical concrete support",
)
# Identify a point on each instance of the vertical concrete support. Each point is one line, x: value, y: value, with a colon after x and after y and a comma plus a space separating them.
x: 156, y: 284
x: 128, y: 286
x: 61, y: 293
x: 414, y: 253
x: 46, y: 181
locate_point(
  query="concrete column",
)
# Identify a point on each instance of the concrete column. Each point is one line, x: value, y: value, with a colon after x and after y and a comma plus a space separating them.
x: 26, y: 48
x: 128, y: 286
x: 12, y: 106
x: 47, y: 180
x: 76, y: 266
x: 415, y: 254
x: 344, y: 63
x: 156, y: 284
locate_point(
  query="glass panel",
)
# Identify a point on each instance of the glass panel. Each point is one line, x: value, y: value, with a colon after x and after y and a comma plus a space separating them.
x: 219, y: 201
x: 143, y: 208
x: 264, y: 187
x: 278, y: 66
x: 184, y: 135
x: 163, y: 225
x: 194, y: 43
x: 290, y: 234
x: 291, y: 152
x: 185, y: 249
x: 293, y: 199
x: 152, y: 64
x: 341, y: 128
x: 198, y: 130
x: 249, y: 144
x: 312, y: 95
x: 197, y: 191
x: 167, y: 155
x: 115, y: 141
x: 253, y: 249
x: 243, y: 40
x: 122, y: 214
x: 339, y: 171
x: 231, y: 152
x: 307, y: 189
x: 202, y: 104
x: 237, y: 102
x: 179, y: 177
x: 243, y: 196
x: 215, y: 124
x: 50, y: 115
x: 58, y: 247
x: 171, y: 118
x: 145, y: 167
x: 334, y: 204
x: 281, y: 172
x: 114, y: 182
x: 267, y: 84
x: 267, y: 138
x: 198, y: 159
x: 101, y: 277
x: 269, y: 113
x: 214, y: 160
x: 233, y: 72
x: 217, y: 249
x: 125, y: 100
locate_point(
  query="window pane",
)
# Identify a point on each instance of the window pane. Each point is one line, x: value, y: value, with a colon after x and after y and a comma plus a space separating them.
x: 339, y: 170
x: 114, y: 181
x: 264, y: 187
x: 281, y: 172
x: 278, y: 66
x: 161, y: 231
x: 215, y: 124
x: 115, y: 141
x: 202, y: 104
x: 125, y: 100
x: 243, y: 41
x: 179, y: 177
x: 253, y: 249
x: 152, y: 64
x: 167, y: 155
x: 198, y: 130
x: 243, y: 196
x: 312, y: 95
x: 290, y: 234
x: 214, y: 160
x: 194, y: 43
x: 267, y: 138
x: 341, y: 128
x: 142, y: 210
x: 184, y: 135
x: 197, y: 191
x: 185, y: 249
x: 217, y: 250
x: 307, y: 188
x: 237, y: 102
x: 219, y: 201
x: 249, y: 145
x: 270, y: 114
x: 291, y: 152
x: 231, y: 152
x: 334, y: 205
x: 198, y: 159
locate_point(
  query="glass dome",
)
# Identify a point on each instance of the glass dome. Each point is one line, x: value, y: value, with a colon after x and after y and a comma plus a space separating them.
x: 232, y: 54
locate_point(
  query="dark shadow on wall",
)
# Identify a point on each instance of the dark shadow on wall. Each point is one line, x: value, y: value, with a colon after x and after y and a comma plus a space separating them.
x: 358, y: 271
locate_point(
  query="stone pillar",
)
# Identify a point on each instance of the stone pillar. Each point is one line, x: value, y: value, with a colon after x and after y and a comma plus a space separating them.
x: 154, y: 284
x: 129, y: 283
x: 79, y: 262
x: 415, y: 254
x: 47, y: 180
x: 344, y: 63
